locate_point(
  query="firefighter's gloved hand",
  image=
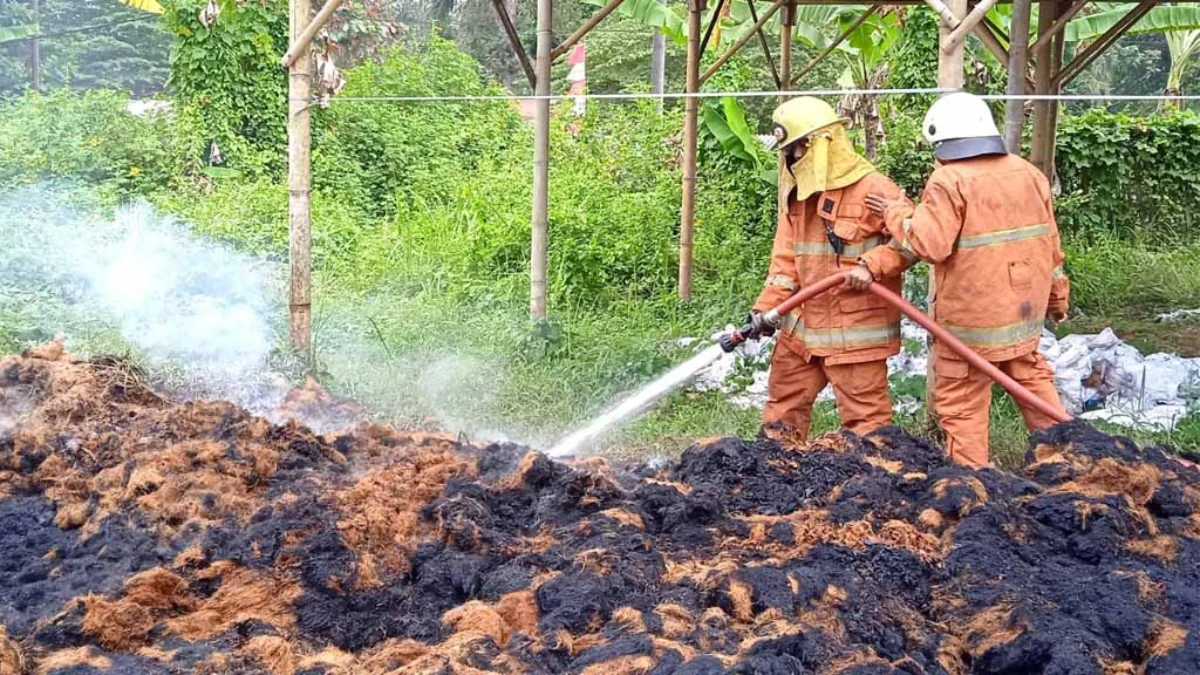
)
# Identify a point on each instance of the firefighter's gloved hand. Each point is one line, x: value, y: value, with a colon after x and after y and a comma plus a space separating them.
x: 759, y: 324
x: 1055, y: 317
x: 859, y: 278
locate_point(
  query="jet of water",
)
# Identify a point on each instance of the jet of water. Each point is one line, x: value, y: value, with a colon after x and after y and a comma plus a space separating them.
x: 637, y: 403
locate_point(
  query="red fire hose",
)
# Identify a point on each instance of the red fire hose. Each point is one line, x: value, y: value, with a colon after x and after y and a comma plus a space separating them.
x: 942, y: 335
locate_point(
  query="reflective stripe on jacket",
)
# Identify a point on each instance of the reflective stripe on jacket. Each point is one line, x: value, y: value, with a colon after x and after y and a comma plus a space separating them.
x: 987, y: 226
x: 842, y: 326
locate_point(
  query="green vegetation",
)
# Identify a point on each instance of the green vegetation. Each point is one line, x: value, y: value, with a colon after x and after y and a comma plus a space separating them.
x: 421, y: 217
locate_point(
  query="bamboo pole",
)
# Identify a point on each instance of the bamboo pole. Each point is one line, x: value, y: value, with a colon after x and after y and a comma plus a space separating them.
x: 1057, y: 47
x: 300, y: 181
x: 712, y: 25
x: 944, y: 12
x: 583, y: 30
x: 833, y: 45
x: 304, y: 40
x: 514, y: 41
x: 785, y: 47
x: 762, y: 39
x: 1043, y: 79
x: 741, y: 42
x: 690, y: 123
x: 785, y: 75
x: 1018, y: 65
x: 965, y: 26
x: 950, y: 57
x: 1041, y: 43
x: 35, y: 50
x: 541, y: 164
x: 1102, y: 43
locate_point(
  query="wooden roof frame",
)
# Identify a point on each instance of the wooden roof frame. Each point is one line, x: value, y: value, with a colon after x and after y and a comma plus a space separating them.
x: 956, y: 18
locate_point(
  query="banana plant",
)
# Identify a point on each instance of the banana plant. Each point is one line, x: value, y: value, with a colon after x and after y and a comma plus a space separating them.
x: 150, y: 6
x: 1179, y: 24
x: 12, y: 33
x: 651, y: 13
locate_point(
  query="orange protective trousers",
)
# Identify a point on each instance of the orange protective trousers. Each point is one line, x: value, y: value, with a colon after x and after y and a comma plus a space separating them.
x: 962, y: 398
x: 861, y: 390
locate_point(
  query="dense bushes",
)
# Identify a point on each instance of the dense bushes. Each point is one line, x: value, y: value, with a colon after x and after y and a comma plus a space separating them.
x: 1130, y: 176
x: 90, y: 137
x: 436, y: 196
x: 227, y: 84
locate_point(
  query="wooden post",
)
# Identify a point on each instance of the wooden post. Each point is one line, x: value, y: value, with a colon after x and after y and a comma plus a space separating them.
x: 299, y: 182
x: 785, y: 47
x: 541, y: 163
x: 308, y: 31
x: 35, y: 55
x: 1018, y: 64
x: 950, y: 57
x: 687, y: 219
x: 514, y: 40
x: 1057, y: 47
x: 1059, y: 25
x: 785, y: 74
x: 1043, y: 79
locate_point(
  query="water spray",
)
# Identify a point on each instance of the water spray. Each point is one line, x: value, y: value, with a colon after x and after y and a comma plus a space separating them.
x: 638, y: 402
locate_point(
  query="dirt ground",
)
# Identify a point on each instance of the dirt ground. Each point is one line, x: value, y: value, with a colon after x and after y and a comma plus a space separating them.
x: 140, y: 535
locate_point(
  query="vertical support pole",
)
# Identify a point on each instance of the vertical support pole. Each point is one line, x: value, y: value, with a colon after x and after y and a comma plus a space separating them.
x: 35, y: 56
x: 785, y: 47
x: 950, y: 76
x: 541, y: 163
x: 658, y: 63
x: 1018, y: 66
x: 690, y: 120
x: 1057, y: 48
x: 950, y: 56
x: 1044, y: 81
x: 785, y: 74
x: 299, y: 182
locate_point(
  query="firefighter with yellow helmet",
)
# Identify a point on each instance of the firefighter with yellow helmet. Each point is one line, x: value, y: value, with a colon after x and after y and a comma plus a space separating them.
x: 843, y: 337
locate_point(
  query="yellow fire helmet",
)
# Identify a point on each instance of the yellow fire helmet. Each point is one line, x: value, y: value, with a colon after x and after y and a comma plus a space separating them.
x: 830, y: 162
x: 801, y: 116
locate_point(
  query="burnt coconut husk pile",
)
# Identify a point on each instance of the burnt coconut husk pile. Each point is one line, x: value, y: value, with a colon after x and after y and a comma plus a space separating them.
x: 140, y: 535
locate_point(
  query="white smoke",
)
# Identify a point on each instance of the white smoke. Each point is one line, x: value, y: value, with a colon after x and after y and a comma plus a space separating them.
x: 207, y: 321
x: 197, y: 312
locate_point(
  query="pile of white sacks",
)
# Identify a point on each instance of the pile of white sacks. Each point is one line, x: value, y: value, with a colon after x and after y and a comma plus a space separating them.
x: 1098, y: 376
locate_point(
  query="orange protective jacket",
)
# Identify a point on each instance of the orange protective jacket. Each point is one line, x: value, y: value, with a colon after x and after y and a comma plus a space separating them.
x: 987, y: 226
x: 841, y: 326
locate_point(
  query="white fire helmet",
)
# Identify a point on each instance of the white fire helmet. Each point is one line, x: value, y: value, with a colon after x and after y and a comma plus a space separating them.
x: 960, y: 125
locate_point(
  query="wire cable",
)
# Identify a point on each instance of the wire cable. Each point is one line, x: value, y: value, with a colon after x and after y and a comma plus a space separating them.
x: 466, y: 98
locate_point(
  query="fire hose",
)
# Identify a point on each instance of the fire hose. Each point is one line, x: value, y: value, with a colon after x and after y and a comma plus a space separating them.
x: 943, y: 336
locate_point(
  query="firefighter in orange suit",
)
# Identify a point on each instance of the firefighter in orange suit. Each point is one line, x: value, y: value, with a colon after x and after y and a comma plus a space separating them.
x: 986, y: 224
x: 845, y: 336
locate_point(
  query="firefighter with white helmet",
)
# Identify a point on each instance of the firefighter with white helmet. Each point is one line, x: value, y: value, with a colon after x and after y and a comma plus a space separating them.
x: 986, y: 224
x: 844, y: 337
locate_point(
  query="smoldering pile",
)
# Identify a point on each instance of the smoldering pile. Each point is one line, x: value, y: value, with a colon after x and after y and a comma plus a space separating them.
x: 143, y: 536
